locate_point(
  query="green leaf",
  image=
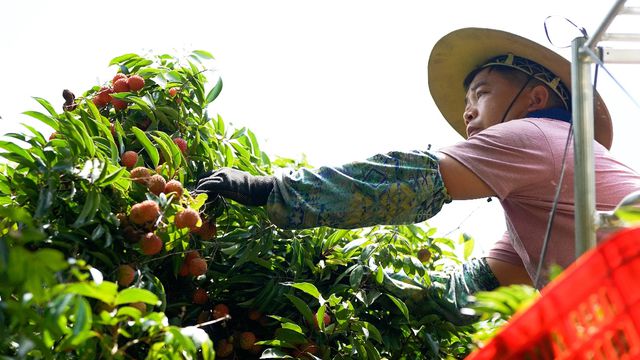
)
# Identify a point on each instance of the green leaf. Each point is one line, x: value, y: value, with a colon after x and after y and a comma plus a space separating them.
x: 214, y: 92
x: 306, y: 287
x: 132, y: 295
x: 355, y: 278
x: 105, y: 291
x: 46, y: 105
x: 203, y: 54
x: 91, y: 204
x: 148, y: 146
x: 302, y: 307
x: 400, y: 304
x: 122, y: 58
x: 17, y: 150
x: 46, y: 119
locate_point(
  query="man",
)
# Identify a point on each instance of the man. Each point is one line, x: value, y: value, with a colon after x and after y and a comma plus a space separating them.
x: 508, y: 96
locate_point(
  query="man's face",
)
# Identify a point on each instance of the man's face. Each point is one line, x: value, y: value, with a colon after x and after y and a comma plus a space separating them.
x: 488, y: 98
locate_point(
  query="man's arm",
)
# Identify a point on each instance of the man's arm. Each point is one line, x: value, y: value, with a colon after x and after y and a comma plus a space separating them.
x: 460, y: 182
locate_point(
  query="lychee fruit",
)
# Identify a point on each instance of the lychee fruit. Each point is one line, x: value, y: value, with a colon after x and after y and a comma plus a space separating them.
x: 99, y: 101
x: 206, y: 231
x: 102, y: 97
x: 254, y: 314
x: 156, y: 184
x: 140, y: 175
x: 174, y: 186
x: 197, y: 266
x: 129, y: 158
x: 247, y: 339
x: 131, y: 235
x: 184, y: 269
x: 173, y: 91
x: 424, y: 255
x: 326, y: 320
x: 220, y: 311
x: 53, y: 135
x: 136, y: 82
x: 119, y: 104
x: 151, y: 244
x: 187, y: 218
x: 117, y: 77
x: 200, y: 296
x: 146, y: 211
x: 224, y: 348
x: 182, y: 144
x: 126, y: 274
x: 121, y: 85
x: 193, y: 254
x: 204, y: 316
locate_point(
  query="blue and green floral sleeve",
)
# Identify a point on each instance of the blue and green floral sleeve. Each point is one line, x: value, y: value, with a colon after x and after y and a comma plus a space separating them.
x: 392, y: 188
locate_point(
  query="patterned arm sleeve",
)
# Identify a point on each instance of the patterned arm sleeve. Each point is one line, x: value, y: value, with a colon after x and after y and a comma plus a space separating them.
x: 392, y: 188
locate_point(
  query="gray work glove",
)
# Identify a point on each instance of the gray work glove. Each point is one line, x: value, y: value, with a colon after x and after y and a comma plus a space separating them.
x: 237, y: 185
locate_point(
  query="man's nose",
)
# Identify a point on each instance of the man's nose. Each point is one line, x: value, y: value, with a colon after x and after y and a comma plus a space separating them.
x: 468, y: 115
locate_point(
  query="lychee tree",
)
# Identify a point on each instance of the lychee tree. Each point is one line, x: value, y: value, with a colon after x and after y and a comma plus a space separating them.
x: 104, y: 253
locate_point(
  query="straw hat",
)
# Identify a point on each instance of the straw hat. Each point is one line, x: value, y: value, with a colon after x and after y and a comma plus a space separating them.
x: 458, y: 53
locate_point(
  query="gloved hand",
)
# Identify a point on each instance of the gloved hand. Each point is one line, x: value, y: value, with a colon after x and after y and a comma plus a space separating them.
x: 247, y: 189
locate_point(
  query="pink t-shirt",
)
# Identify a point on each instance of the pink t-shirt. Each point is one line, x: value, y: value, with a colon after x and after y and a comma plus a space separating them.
x: 521, y: 160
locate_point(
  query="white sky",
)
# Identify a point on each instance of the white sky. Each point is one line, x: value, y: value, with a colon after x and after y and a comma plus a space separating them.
x: 335, y: 80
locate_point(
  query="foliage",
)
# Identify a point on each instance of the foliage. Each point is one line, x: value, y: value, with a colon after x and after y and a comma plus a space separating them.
x: 68, y: 221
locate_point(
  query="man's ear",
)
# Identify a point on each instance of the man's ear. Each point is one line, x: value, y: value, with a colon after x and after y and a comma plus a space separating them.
x: 538, y: 98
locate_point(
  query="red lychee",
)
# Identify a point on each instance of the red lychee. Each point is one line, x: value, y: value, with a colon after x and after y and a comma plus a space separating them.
x: 247, y: 339
x: 99, y: 101
x: 182, y: 144
x: 254, y: 314
x: 187, y: 218
x: 131, y: 235
x: 424, y: 255
x: 129, y: 158
x: 174, y: 186
x: 121, y: 85
x: 326, y: 320
x: 136, y: 82
x: 126, y: 274
x: 197, y: 266
x: 141, y: 175
x: 224, y: 348
x: 119, y: 104
x: 200, y: 296
x: 103, y: 97
x: 220, y: 311
x: 156, y: 184
x: 146, y: 211
x: 117, y: 77
x: 151, y: 244
x: 207, y: 231
x: 173, y: 91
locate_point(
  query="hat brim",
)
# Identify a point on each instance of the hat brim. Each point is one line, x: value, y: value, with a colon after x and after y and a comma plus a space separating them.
x: 458, y: 53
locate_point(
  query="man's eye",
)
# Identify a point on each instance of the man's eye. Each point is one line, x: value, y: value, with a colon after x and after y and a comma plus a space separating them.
x: 480, y: 93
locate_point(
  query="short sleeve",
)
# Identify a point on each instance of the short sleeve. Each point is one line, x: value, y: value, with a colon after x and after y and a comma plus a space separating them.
x: 509, y: 157
x: 503, y: 250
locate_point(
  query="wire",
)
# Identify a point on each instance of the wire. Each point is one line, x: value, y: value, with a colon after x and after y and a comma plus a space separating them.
x: 547, y: 236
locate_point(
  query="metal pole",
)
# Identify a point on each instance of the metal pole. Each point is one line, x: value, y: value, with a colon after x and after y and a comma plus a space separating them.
x: 584, y: 168
x: 597, y: 36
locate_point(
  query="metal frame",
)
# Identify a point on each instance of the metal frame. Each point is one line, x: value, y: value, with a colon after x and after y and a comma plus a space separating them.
x: 583, y: 57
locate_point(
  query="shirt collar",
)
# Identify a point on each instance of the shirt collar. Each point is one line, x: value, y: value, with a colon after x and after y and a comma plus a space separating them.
x: 553, y: 113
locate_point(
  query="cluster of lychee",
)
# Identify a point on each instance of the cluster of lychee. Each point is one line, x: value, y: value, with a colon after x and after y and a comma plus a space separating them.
x: 245, y: 340
x: 119, y: 84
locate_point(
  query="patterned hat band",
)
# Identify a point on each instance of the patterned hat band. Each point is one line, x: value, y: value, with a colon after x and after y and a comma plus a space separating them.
x: 534, y: 70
